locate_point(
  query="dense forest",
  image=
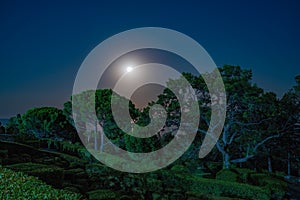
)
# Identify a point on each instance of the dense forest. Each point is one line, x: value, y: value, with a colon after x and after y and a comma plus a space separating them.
x: 256, y: 157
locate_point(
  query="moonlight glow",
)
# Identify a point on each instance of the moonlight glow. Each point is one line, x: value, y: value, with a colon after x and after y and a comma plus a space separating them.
x: 129, y: 69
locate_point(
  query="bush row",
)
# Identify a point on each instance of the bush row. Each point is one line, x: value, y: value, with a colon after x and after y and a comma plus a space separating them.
x: 16, y: 185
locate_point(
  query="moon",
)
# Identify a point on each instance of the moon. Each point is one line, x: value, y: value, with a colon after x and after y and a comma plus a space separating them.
x: 129, y: 69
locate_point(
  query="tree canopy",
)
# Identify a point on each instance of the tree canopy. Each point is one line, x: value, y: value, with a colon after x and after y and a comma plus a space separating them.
x: 258, y: 124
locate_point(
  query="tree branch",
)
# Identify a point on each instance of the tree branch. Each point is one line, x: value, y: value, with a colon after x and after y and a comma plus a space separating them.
x: 252, y: 123
x: 265, y: 140
x: 244, y: 159
x: 232, y: 137
x: 221, y: 149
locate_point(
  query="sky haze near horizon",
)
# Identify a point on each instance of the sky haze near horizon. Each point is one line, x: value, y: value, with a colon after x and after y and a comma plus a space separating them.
x: 43, y: 43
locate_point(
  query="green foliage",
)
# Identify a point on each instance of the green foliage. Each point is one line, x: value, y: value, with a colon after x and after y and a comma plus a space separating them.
x: 2, y: 129
x: 45, y: 122
x: 69, y: 148
x: 24, y: 137
x: 33, y: 143
x: 102, y: 194
x: 197, y: 196
x: 225, y: 188
x: 179, y: 169
x: 102, y: 176
x: 227, y: 175
x: 252, y: 116
x: 197, y: 185
x: 138, y: 145
x: 74, y: 161
x: 277, y: 186
x: 13, y: 125
x: 50, y: 174
x: 85, y: 154
x: 101, y: 170
x: 244, y: 174
x: 16, y: 185
x: 241, y: 175
x: 154, y: 185
x: 213, y: 167
x: 280, y: 174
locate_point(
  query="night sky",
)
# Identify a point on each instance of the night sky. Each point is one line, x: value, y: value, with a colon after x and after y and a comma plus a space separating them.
x: 42, y: 43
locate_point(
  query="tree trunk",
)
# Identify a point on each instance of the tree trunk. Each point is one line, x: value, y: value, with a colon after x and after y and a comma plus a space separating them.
x: 270, y: 164
x: 289, y: 164
x: 102, y: 139
x: 226, y: 161
x: 95, y: 137
x: 298, y: 168
x: 241, y: 164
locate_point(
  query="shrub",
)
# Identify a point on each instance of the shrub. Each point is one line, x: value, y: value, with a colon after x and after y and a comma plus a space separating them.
x: 228, y: 175
x: 22, y: 137
x: 102, y: 176
x: 50, y: 174
x: 197, y: 196
x: 223, y: 188
x: 276, y: 186
x: 25, y: 167
x: 16, y: 185
x: 33, y: 143
x: 244, y: 174
x: 280, y: 174
x: 213, y: 167
x: 100, y: 170
x: 85, y: 154
x: 73, y: 160
x: 101, y: 194
x: 179, y: 169
x: 154, y: 185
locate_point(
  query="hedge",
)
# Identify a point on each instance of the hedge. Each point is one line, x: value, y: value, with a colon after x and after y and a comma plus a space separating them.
x: 102, y: 194
x: 16, y: 185
x: 50, y: 174
x: 219, y: 187
x: 275, y: 185
x: 228, y: 175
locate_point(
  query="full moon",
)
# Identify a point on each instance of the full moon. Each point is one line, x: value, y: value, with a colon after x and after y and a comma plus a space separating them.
x: 129, y: 69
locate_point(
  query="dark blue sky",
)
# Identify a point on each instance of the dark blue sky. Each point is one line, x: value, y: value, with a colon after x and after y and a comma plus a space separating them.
x: 42, y: 43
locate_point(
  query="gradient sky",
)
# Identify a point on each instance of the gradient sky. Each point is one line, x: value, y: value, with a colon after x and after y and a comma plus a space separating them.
x: 42, y: 43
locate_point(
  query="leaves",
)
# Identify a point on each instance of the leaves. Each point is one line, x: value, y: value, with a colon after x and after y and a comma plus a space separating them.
x: 16, y: 185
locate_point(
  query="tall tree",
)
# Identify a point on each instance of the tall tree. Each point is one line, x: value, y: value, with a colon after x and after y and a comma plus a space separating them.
x: 2, y: 129
x: 14, y: 124
x: 290, y: 105
x: 92, y: 128
x: 46, y: 122
x: 251, y: 115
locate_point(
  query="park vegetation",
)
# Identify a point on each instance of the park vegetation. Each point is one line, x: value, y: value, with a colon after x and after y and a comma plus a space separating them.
x: 256, y: 157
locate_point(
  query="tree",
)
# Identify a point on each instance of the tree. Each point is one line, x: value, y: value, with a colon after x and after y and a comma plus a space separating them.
x: 46, y: 122
x: 13, y: 125
x: 86, y: 123
x: 92, y: 128
x: 2, y: 129
x: 251, y: 115
x: 290, y: 106
x: 252, y: 119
